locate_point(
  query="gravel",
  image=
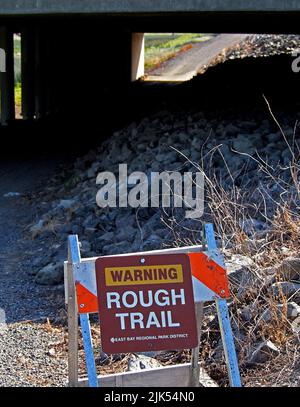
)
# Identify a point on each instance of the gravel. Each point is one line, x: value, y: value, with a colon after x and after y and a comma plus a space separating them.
x: 25, y: 335
x: 258, y: 46
x: 265, y: 45
x: 28, y: 357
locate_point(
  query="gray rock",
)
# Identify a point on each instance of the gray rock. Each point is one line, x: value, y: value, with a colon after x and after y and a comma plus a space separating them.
x: 51, y: 274
x: 124, y: 154
x: 103, y: 359
x: 37, y: 228
x: 274, y: 137
x: 231, y: 129
x: 227, y: 154
x: 66, y: 203
x: 287, y: 288
x: 239, y: 343
x: 123, y: 221
x: 76, y: 230
x: 12, y: 195
x: 195, y: 156
x: 65, y: 228
x: 237, y: 261
x: 296, y: 326
x: 162, y: 232
x: 247, y: 313
x: 155, y: 166
x: 106, y: 237
x: 140, y: 362
x: 239, y: 272
x: 85, y: 246
x: 291, y: 311
x: 91, y: 173
x: 90, y: 232
x: 141, y: 147
x: 286, y: 155
x: 257, y: 140
x: 153, y: 221
x: 37, y: 263
x: 51, y: 352
x: 263, y: 352
x: 167, y: 157
x: 90, y: 221
x: 153, y: 242
x: 290, y: 268
x: 237, y: 162
x: 128, y: 234
x: 243, y: 144
x: 253, y: 225
x: 196, y: 144
x: 117, y: 248
x: 153, y: 238
x: 249, y: 124
x: 272, y: 154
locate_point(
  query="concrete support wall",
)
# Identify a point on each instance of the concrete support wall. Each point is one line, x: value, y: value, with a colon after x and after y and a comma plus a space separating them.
x: 47, y: 69
x: 73, y: 72
x: 137, y: 56
x: 7, y: 78
x: 39, y: 74
x: 27, y: 72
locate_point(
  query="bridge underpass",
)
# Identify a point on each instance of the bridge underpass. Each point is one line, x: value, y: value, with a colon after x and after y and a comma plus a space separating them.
x: 79, y: 62
x: 74, y: 85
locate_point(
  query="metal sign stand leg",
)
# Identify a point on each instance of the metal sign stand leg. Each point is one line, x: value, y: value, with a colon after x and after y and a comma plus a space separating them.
x: 195, y: 368
x: 72, y: 315
x: 228, y: 343
x: 74, y: 261
x: 224, y: 320
x: 88, y: 349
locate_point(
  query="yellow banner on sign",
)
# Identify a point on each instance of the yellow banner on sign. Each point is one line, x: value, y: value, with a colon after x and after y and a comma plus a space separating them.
x: 136, y: 275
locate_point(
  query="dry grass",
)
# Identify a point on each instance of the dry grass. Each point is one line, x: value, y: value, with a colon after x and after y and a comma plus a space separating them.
x: 230, y: 209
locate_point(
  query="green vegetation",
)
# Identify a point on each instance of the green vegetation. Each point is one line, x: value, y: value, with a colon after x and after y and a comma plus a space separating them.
x: 18, y: 94
x: 17, y: 58
x: 160, y: 47
x: 17, y: 69
x: 17, y: 44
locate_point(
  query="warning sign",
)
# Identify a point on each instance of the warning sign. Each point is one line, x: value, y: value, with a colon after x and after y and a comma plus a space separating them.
x: 146, y: 303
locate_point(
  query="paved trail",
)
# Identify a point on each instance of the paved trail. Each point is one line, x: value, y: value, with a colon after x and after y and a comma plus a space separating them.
x: 24, y: 345
x: 186, y: 65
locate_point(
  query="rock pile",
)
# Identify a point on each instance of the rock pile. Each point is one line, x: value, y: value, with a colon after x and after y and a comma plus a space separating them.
x: 181, y: 141
x: 265, y: 45
x: 241, y: 156
x: 257, y: 46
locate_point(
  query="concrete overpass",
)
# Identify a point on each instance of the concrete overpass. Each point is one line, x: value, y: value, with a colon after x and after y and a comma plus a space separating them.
x: 74, y: 52
x: 55, y: 7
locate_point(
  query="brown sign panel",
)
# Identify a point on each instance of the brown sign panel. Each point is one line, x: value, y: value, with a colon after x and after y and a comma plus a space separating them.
x: 146, y: 303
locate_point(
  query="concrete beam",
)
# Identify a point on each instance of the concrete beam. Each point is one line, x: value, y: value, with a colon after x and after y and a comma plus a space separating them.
x: 137, y: 55
x: 38, y: 7
x: 7, y: 79
x: 27, y: 72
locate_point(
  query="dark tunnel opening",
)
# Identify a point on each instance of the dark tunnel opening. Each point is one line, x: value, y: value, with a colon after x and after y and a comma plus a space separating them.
x: 77, y: 80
